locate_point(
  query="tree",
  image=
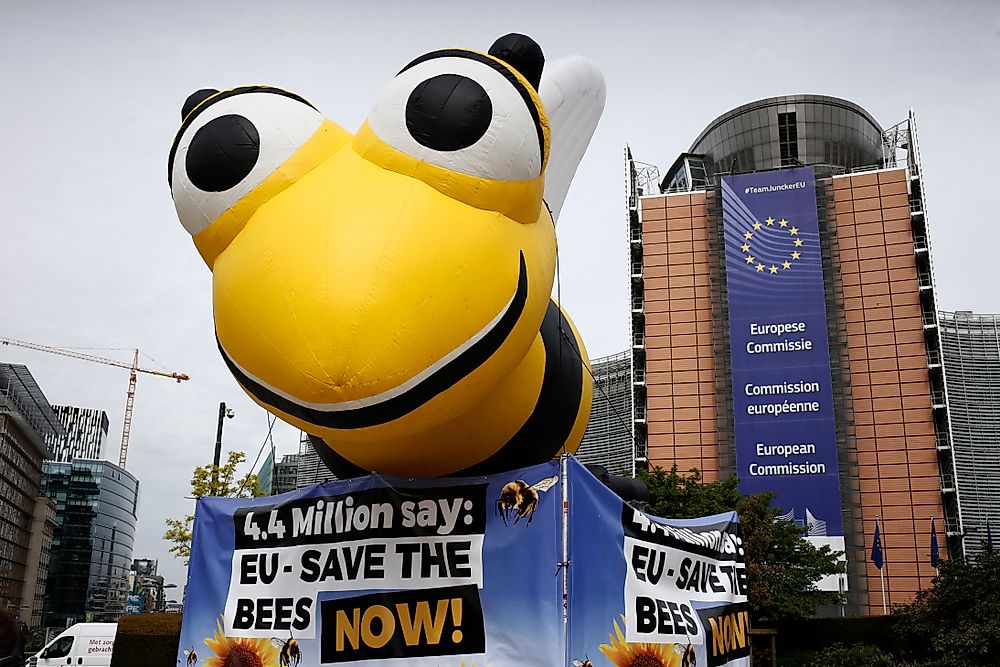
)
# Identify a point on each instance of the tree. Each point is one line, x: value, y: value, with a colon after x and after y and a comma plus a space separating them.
x: 782, y: 567
x: 957, y: 620
x: 211, y: 480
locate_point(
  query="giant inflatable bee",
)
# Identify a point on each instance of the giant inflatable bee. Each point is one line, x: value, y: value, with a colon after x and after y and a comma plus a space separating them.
x: 388, y: 291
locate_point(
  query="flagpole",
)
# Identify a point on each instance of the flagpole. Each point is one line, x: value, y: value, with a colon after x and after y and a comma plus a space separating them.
x: 881, y: 573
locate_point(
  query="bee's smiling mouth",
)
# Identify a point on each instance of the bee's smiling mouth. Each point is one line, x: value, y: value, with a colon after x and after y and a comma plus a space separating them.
x: 406, y: 397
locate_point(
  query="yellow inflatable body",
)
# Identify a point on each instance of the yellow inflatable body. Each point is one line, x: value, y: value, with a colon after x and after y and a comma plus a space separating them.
x: 388, y: 291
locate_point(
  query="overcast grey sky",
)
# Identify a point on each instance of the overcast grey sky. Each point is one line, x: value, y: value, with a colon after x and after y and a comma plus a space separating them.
x: 93, y: 255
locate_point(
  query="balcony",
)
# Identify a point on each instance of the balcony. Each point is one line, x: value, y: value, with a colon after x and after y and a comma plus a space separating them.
x: 924, y: 280
x: 635, y: 234
x: 639, y: 376
x: 640, y: 413
x: 947, y: 482
x: 952, y: 527
x: 920, y: 244
x: 933, y: 358
x: 637, y: 304
x: 637, y: 270
x: 638, y: 339
x: 943, y: 442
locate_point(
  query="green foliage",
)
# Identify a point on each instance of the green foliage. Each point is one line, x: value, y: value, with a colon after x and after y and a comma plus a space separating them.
x: 838, y: 655
x: 782, y: 567
x: 211, y: 480
x: 957, y: 620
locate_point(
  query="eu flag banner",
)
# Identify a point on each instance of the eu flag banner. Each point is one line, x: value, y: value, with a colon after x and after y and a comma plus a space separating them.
x: 422, y: 573
x: 785, y: 431
x: 935, y: 553
x: 877, y: 548
x: 650, y: 591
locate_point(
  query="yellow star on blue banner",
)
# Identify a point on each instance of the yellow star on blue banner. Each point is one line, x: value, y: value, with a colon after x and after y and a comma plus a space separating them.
x: 777, y: 267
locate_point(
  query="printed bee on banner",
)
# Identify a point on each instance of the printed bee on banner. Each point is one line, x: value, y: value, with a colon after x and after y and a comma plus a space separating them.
x: 519, y: 501
x: 289, y: 653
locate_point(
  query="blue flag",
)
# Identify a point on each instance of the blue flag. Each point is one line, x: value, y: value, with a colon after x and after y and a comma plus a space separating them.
x: 877, y: 548
x: 935, y: 555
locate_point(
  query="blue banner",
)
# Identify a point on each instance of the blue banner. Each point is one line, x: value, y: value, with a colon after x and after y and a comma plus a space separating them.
x: 462, y: 573
x: 786, y: 439
x: 426, y: 572
x: 651, y: 591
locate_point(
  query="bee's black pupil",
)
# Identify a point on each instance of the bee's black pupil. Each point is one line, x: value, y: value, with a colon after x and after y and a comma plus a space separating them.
x: 448, y: 112
x: 222, y: 153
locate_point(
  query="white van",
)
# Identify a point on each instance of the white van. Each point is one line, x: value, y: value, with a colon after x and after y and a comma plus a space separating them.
x: 83, y: 644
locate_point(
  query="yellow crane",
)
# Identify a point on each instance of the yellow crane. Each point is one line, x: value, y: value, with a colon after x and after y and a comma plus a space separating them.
x: 132, y: 367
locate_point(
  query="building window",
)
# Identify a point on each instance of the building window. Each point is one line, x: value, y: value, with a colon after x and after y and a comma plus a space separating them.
x: 788, y: 139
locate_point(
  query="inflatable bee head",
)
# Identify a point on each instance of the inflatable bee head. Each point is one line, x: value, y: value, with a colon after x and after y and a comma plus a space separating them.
x: 370, y: 288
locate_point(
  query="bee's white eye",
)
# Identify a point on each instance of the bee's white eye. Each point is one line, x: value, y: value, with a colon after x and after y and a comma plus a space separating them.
x: 230, y: 143
x: 464, y: 112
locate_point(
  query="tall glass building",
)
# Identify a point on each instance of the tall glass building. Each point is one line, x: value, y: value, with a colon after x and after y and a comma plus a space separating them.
x: 608, y: 438
x: 86, y: 432
x: 971, y: 346
x: 92, y: 546
x: 718, y: 379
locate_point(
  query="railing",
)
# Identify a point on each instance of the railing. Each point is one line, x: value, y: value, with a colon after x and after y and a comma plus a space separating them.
x: 637, y: 269
x: 640, y: 413
x: 943, y: 441
x: 929, y: 318
x: 933, y: 357
x: 920, y: 243
x: 947, y: 482
x: 924, y: 279
x: 937, y: 398
x: 637, y: 304
x: 635, y: 235
x: 952, y: 526
x: 639, y: 376
x: 638, y: 339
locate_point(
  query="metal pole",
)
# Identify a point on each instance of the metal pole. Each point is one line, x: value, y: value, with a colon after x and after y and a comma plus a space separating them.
x: 881, y: 573
x: 564, y: 483
x: 218, y: 432
x: 218, y: 447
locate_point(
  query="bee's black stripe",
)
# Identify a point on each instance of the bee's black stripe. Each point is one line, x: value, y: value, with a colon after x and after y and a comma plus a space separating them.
x: 393, y: 408
x: 505, y: 71
x: 552, y: 420
x: 218, y: 97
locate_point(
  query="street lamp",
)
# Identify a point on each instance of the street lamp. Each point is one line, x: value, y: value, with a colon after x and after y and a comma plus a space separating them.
x: 160, y: 602
x: 223, y: 413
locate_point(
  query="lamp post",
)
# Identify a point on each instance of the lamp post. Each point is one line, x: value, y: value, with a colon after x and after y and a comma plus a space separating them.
x: 223, y: 413
x: 160, y: 602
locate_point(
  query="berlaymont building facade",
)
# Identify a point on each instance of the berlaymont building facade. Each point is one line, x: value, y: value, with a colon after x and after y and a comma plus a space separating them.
x: 785, y: 330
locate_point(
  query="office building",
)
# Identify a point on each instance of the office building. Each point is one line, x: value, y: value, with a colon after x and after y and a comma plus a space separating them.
x: 311, y: 469
x: 146, y: 587
x: 971, y: 355
x: 92, y: 545
x: 85, y: 434
x: 784, y: 329
x: 608, y: 438
x: 26, y: 419
x: 285, y: 474
x: 43, y: 525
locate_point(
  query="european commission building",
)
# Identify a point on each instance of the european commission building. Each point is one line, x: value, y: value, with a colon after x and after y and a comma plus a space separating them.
x: 785, y: 330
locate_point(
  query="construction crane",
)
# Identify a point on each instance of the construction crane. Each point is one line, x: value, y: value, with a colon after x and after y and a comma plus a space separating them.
x: 133, y: 369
